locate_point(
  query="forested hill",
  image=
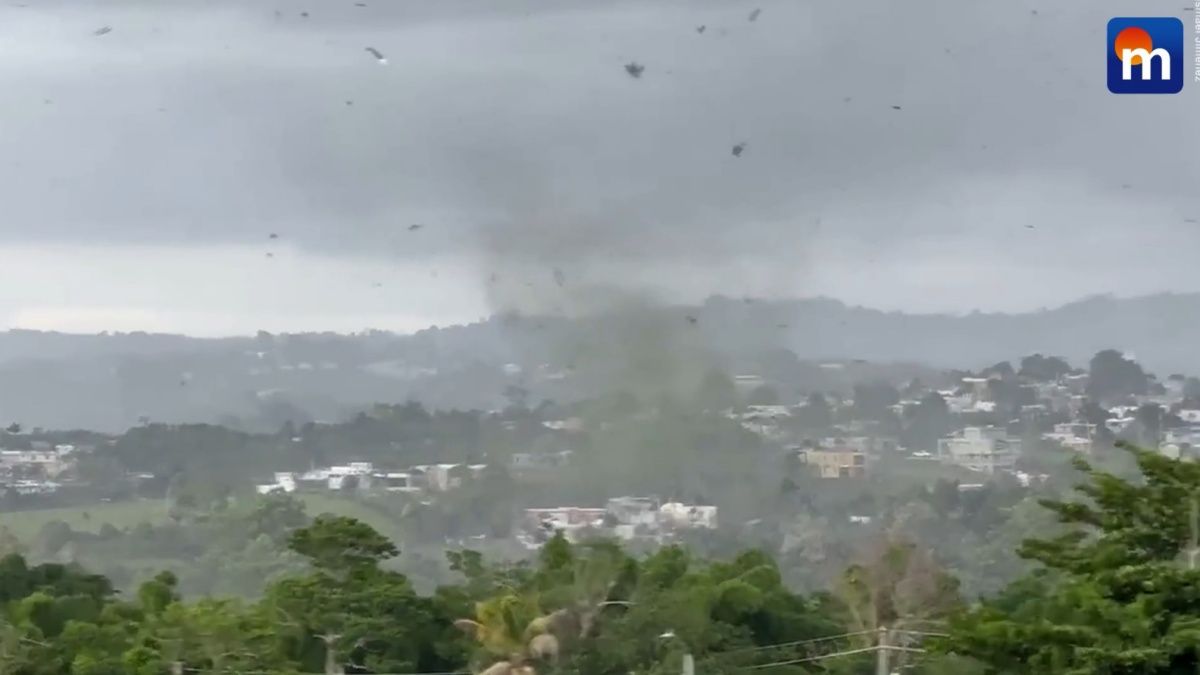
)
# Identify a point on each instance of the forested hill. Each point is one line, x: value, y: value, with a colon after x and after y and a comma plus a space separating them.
x: 109, y: 381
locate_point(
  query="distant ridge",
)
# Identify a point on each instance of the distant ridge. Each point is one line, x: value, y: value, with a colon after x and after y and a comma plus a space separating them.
x: 109, y: 381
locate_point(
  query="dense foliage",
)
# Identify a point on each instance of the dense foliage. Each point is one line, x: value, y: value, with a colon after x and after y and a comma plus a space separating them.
x: 588, y: 608
x: 1117, y: 594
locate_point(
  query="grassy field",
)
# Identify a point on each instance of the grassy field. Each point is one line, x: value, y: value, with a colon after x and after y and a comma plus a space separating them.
x: 317, y: 503
x: 25, y: 524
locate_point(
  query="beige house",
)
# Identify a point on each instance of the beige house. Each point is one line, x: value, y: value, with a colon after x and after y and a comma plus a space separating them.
x: 835, y: 462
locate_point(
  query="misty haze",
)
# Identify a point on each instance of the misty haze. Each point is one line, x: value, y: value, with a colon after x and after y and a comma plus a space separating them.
x: 517, y: 337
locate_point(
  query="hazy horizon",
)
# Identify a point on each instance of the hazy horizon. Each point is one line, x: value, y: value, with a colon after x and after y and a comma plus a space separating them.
x: 351, y: 329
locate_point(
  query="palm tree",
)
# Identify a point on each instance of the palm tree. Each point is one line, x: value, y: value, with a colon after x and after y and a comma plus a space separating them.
x: 508, y: 627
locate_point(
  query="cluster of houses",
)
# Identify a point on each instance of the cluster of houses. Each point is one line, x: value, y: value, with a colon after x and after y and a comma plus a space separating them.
x: 36, y: 471
x: 626, y: 518
x: 364, y: 476
x: 985, y: 443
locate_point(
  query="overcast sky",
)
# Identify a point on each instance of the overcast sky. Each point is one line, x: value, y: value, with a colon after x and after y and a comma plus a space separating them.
x: 143, y: 170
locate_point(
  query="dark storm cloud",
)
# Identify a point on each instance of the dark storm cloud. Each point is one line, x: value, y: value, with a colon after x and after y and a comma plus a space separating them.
x: 512, y: 130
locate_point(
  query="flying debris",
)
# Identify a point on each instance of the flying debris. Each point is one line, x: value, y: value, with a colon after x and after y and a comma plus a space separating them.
x: 559, y: 278
x: 781, y: 325
x: 494, y: 278
x: 376, y: 285
x: 360, y: 4
x: 1125, y: 186
x: 1029, y: 227
x: 691, y: 319
x: 270, y: 255
x: 304, y: 14
x: 414, y: 227
x: 634, y: 69
x: 701, y: 29
x: 739, y: 149
x: 378, y: 56
x: 349, y: 102
x: 754, y: 15
x: 272, y: 236
x: 896, y: 107
x: 104, y: 30
x: 1189, y: 220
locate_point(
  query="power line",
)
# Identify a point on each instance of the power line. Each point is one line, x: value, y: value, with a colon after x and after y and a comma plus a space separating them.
x: 796, y: 643
x: 809, y: 659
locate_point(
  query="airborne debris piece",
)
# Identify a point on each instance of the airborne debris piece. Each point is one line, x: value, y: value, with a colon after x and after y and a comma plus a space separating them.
x: 378, y: 56
x: 272, y: 236
x: 896, y: 107
x: 360, y: 4
x: 739, y: 149
x: 304, y: 14
x: 754, y: 15
x: 559, y: 278
x: 691, y: 319
x: 103, y: 30
x: 634, y: 69
x: 1189, y: 220
x: 414, y: 227
x: 270, y: 255
x: 781, y: 325
x: 349, y: 102
x: 701, y: 29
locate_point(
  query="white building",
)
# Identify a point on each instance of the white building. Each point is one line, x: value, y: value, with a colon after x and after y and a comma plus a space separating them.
x: 50, y: 462
x: 685, y: 516
x: 983, y: 449
x: 570, y: 520
x: 1075, y: 436
x: 399, y: 481
x: 358, y: 473
x: 34, y: 487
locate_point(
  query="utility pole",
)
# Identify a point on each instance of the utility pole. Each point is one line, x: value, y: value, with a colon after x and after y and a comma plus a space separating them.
x: 881, y: 652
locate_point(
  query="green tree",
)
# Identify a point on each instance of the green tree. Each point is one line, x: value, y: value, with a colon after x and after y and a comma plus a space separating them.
x: 1043, y: 368
x: 1112, y: 376
x: 341, y: 545
x: 1115, y: 594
